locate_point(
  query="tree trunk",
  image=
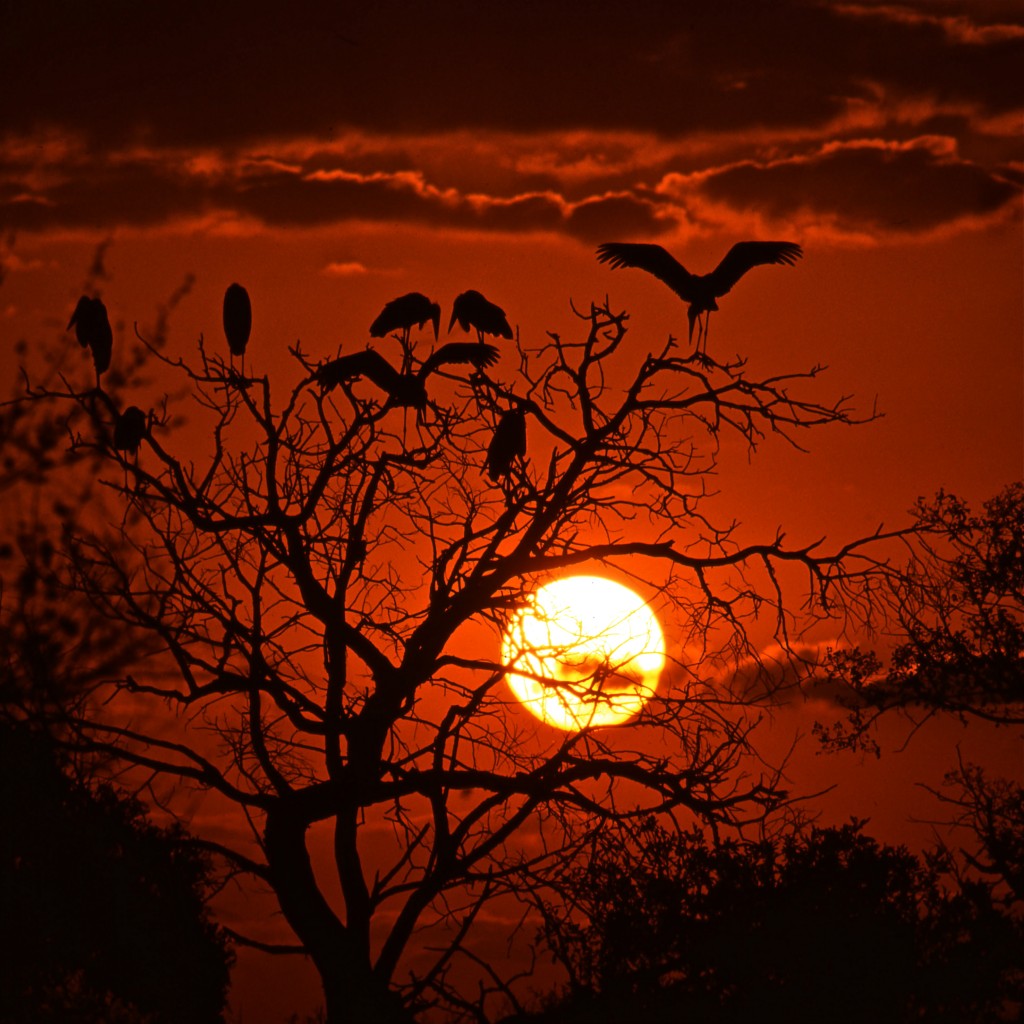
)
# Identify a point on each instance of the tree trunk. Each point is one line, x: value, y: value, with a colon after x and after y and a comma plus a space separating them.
x: 353, y: 993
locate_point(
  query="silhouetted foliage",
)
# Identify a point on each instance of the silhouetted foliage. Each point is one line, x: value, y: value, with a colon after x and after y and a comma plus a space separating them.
x: 823, y: 925
x: 102, y: 913
x: 959, y: 623
x: 991, y: 810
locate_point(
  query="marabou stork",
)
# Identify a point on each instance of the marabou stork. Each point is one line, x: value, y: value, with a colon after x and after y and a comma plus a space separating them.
x: 405, y: 313
x: 92, y: 328
x: 403, y: 389
x: 509, y: 441
x: 699, y: 290
x: 130, y: 429
x: 237, y: 320
x: 471, y: 309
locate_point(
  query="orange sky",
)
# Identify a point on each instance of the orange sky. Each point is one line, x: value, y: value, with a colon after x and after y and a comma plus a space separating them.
x: 333, y: 156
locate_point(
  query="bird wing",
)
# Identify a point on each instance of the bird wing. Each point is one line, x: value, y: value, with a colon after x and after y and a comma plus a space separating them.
x: 493, y: 321
x: 745, y: 255
x: 479, y: 355
x: 332, y: 373
x: 652, y: 258
x: 375, y: 367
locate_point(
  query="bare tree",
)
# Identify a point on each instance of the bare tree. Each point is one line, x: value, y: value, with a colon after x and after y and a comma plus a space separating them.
x: 330, y: 578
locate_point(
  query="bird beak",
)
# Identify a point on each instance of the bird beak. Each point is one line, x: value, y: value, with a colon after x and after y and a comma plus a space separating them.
x: 436, y: 321
x: 691, y: 315
x: 451, y: 323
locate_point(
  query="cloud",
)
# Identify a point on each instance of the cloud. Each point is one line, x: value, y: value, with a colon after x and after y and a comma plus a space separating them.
x: 616, y: 124
x: 780, y: 676
x: 902, y: 187
x: 147, y: 188
x: 238, y: 71
x: 622, y: 215
x: 853, y: 186
x: 958, y: 28
x: 351, y: 268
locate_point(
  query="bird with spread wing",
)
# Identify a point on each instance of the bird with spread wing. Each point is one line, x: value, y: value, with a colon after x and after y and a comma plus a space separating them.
x: 699, y: 290
x: 403, y: 389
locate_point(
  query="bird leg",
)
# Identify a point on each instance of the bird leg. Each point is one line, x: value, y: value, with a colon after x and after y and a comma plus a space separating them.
x: 406, y: 350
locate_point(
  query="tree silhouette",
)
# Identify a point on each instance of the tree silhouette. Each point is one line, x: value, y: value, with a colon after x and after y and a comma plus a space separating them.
x: 825, y: 924
x: 992, y: 811
x: 329, y: 580
x: 959, y: 649
x: 103, y: 912
x: 959, y: 613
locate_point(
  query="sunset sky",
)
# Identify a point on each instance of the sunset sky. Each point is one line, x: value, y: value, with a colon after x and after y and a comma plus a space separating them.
x: 331, y: 156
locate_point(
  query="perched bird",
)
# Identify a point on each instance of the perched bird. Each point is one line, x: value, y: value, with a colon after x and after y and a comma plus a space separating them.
x: 404, y: 389
x: 509, y: 441
x: 699, y: 290
x: 404, y: 313
x: 471, y: 309
x: 237, y: 319
x: 130, y: 429
x: 92, y: 328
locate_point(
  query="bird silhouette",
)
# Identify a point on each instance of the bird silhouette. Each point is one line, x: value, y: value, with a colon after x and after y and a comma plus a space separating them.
x: 405, y: 313
x: 237, y: 320
x: 509, y: 440
x: 92, y: 329
x: 478, y: 354
x: 403, y: 389
x: 699, y: 290
x: 471, y: 309
x: 130, y: 429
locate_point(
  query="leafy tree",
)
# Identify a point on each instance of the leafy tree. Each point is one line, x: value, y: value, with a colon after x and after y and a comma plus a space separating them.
x: 958, y: 649
x: 958, y: 622
x: 328, y: 582
x: 992, y: 811
x: 102, y: 912
x: 825, y: 924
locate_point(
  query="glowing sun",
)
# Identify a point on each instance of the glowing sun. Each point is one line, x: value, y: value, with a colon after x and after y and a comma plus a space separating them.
x: 584, y: 652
